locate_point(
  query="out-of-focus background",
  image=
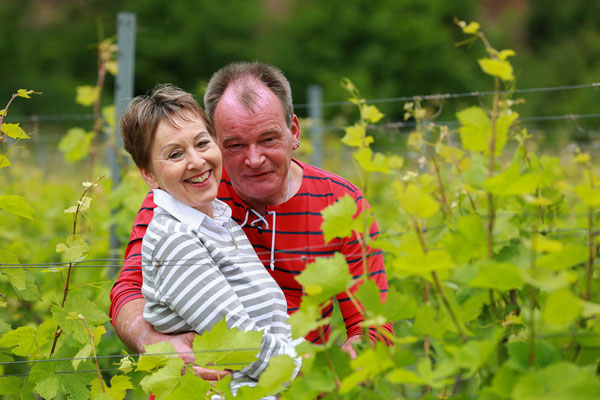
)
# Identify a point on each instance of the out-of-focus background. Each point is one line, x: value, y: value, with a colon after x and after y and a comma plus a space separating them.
x: 391, y: 50
x: 388, y: 48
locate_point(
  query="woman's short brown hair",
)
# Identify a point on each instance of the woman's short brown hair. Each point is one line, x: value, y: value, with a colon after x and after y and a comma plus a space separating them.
x: 144, y: 113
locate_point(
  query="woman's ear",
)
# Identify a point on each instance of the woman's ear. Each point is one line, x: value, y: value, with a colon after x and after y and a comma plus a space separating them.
x: 149, y: 178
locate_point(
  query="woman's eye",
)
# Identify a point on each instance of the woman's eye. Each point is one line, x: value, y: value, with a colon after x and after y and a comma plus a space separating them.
x: 203, y: 143
x: 175, y: 154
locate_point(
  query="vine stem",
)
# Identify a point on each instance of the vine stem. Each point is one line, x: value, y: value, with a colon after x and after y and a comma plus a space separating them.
x: 66, y: 284
x: 438, y: 287
x: 1, y: 122
x: 97, y: 119
x: 459, y: 170
x: 95, y: 355
x: 532, y: 298
x: 591, y: 247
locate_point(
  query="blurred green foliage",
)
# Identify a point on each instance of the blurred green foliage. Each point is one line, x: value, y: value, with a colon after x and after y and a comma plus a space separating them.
x: 389, y: 48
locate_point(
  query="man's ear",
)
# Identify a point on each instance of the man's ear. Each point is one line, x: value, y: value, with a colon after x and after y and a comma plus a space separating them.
x: 295, y: 132
x: 149, y: 178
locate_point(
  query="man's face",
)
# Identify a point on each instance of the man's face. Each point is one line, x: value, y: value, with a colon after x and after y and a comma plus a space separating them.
x: 257, y: 146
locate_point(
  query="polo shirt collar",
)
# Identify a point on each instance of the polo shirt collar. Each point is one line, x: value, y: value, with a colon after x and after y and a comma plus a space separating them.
x: 189, y: 215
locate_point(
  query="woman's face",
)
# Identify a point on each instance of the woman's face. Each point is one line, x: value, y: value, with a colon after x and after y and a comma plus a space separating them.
x: 186, y: 162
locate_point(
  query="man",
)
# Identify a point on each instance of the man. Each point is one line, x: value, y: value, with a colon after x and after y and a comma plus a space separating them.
x: 275, y: 198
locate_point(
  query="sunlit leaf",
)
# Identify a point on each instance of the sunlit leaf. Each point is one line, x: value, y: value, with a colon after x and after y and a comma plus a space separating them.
x: 14, y: 273
x: 497, y: 275
x: 74, y: 250
x: 87, y: 95
x: 156, y: 355
x: 504, y: 54
x: 325, y: 277
x: 338, y: 218
x: 76, y: 144
x: 498, y: 68
x: 14, y: 131
x: 223, y: 345
x: 475, y: 129
x: 558, y: 381
x: 590, y: 196
x: 562, y: 308
x: 471, y: 28
x: 16, y: 205
x: 417, y: 202
x: 162, y: 382
x: 371, y: 113
x: 370, y: 163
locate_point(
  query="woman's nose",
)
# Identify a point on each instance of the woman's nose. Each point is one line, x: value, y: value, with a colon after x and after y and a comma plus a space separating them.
x: 195, y: 160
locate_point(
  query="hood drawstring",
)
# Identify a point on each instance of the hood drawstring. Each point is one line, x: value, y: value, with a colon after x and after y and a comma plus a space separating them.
x: 261, y: 218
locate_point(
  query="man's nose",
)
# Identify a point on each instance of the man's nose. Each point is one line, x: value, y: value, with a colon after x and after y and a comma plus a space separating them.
x: 254, y: 157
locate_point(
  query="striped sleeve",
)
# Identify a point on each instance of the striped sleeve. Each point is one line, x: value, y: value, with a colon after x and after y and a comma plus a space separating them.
x: 191, y: 286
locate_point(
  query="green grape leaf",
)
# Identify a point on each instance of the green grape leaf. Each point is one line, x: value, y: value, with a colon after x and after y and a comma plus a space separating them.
x: 338, y: 218
x: 545, y: 354
x: 15, y: 274
x: 16, y: 205
x: 503, y: 124
x: 4, y: 327
x: 370, y: 163
x: 356, y: 136
x: 416, y: 202
x: 156, y: 355
x: 475, y: 129
x: 468, y: 241
x: 426, y: 323
x: 498, y: 68
x: 510, y: 182
x: 190, y: 387
x: 162, y: 382
x: 31, y: 292
x: 367, y: 365
x: 497, y: 275
x: 398, y: 306
x: 504, y: 54
x: 78, y: 305
x: 22, y: 341
x: 82, y: 354
x: 417, y: 263
x: 76, y: 144
x: 110, y: 115
x: 83, y: 204
x: 549, y: 281
x: 87, y: 95
x: 13, y: 131
x: 562, y: 308
x: 559, y: 381
x: 325, y: 277
x: 279, y: 371
x: 371, y: 114
x: 471, y: 28
x: 589, y: 196
x: 119, y: 384
x: 10, y: 385
x: 475, y: 353
x: 568, y: 256
x: 4, y: 162
x: 75, y: 250
x: 306, y: 319
x: 47, y: 387
x: 221, y: 345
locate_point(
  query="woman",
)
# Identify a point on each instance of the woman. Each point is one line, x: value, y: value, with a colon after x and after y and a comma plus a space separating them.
x: 198, y: 266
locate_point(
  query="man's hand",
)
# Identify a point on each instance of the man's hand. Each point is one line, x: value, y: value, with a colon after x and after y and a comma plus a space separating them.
x: 347, y: 346
x: 136, y: 333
